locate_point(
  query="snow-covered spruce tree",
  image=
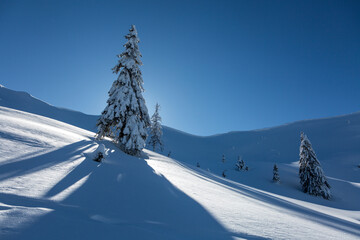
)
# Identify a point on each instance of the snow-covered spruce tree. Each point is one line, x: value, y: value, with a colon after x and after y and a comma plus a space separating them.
x: 126, y: 117
x: 239, y: 164
x: 156, y: 130
x: 276, y: 177
x: 312, y: 177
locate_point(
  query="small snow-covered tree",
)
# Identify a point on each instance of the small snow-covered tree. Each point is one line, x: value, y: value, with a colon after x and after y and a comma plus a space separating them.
x: 239, y: 164
x: 223, y: 158
x: 312, y: 177
x: 276, y: 177
x: 126, y: 117
x: 156, y: 130
x: 100, y: 153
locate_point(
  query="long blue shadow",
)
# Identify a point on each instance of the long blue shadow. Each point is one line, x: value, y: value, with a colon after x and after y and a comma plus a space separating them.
x: 122, y: 198
x: 29, y: 165
x: 311, y: 215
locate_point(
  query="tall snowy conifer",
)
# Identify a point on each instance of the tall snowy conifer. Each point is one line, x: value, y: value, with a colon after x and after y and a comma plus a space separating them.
x: 312, y: 177
x: 126, y: 117
x: 156, y: 130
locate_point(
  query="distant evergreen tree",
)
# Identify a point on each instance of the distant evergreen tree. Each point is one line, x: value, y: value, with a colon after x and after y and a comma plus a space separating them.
x: 156, y: 130
x: 223, y: 158
x: 223, y: 174
x: 239, y: 164
x: 169, y: 154
x: 126, y: 117
x: 198, y: 164
x: 276, y: 177
x: 246, y: 168
x: 312, y: 177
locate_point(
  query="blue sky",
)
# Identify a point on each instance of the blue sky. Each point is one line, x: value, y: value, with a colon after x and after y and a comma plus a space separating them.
x: 214, y: 66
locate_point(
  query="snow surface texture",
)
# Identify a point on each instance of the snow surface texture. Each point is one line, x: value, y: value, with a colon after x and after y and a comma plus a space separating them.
x: 50, y: 188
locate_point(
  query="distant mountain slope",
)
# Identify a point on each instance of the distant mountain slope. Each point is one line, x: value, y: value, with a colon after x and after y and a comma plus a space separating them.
x: 336, y: 142
x: 25, y: 102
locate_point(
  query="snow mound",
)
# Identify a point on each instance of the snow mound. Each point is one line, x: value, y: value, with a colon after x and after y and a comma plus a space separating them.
x: 100, y: 153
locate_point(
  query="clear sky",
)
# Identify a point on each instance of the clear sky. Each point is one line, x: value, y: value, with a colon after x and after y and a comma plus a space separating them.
x: 214, y: 66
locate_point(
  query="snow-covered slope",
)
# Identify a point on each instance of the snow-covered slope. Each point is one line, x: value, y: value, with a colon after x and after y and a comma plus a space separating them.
x: 25, y: 102
x: 336, y: 140
x: 250, y: 213
x: 51, y: 189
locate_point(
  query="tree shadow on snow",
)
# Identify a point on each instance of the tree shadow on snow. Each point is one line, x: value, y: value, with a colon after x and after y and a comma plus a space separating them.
x: 304, y: 212
x: 122, y: 198
x: 47, y: 160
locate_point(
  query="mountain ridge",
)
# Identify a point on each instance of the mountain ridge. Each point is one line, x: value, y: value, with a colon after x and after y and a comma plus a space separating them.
x: 24, y: 101
x: 4, y: 89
